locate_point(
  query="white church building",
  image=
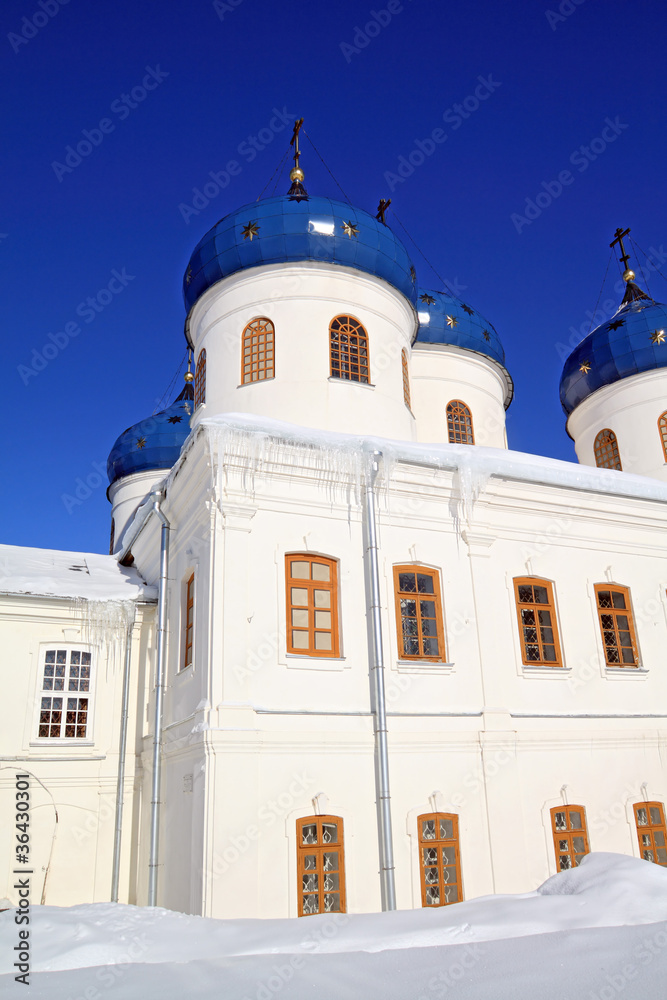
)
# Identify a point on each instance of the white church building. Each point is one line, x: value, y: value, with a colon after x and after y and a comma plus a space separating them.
x: 348, y: 651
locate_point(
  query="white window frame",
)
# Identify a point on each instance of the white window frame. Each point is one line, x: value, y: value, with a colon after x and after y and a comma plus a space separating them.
x: 42, y: 692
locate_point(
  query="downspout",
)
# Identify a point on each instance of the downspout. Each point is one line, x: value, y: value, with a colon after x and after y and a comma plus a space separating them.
x: 387, y: 882
x: 120, y: 788
x: 159, y: 697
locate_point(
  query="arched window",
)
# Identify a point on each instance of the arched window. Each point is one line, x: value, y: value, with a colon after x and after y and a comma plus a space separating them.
x: 349, y: 349
x: 258, y: 351
x: 418, y: 614
x: 312, y: 605
x: 439, y: 859
x: 200, y: 379
x: 616, y: 625
x: 406, y: 378
x: 607, y: 455
x: 568, y: 825
x: 537, y: 622
x: 650, y: 820
x: 112, y: 538
x: 662, y: 427
x: 320, y: 864
x: 459, y: 423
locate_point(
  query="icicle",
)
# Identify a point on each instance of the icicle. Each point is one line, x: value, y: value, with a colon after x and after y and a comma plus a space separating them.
x: 105, y: 625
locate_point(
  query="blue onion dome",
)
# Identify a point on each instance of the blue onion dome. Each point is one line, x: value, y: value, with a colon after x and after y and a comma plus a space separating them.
x: 444, y: 319
x: 154, y: 443
x: 634, y: 340
x: 289, y: 228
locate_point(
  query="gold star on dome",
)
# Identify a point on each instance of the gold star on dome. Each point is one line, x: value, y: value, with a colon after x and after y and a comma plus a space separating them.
x: 615, y: 325
x: 349, y: 229
x: 585, y: 367
x: 452, y: 321
x: 250, y: 230
x: 468, y: 310
x: 413, y: 273
x: 428, y: 299
x: 141, y: 442
x: 486, y: 335
x: 174, y: 420
x: 658, y: 337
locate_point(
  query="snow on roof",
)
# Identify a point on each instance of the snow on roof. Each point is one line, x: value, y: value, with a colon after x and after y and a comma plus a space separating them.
x: 603, y: 923
x: 474, y: 465
x: 53, y: 573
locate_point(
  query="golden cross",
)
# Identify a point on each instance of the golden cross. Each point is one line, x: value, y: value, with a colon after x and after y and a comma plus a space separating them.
x: 294, y: 141
x: 619, y: 234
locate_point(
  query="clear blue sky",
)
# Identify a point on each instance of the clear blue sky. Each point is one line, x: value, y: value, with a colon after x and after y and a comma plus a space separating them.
x: 217, y: 72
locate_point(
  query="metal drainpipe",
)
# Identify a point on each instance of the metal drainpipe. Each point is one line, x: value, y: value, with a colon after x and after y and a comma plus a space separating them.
x: 159, y: 696
x: 120, y: 788
x: 379, y: 709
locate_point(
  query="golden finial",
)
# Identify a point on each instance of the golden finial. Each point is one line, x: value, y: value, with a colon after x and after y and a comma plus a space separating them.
x: 189, y: 377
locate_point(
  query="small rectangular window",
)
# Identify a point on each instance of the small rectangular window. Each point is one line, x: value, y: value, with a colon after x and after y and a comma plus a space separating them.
x: 312, y: 605
x: 538, y: 628
x: 650, y: 820
x: 419, y: 614
x: 439, y: 859
x: 616, y: 625
x: 65, y: 687
x: 568, y: 825
x: 189, y: 618
x: 321, y: 865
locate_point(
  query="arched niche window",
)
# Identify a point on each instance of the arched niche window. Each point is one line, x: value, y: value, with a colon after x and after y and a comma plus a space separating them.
x: 348, y: 343
x: 406, y: 378
x: 320, y: 864
x: 662, y: 427
x: 568, y: 825
x: 112, y: 537
x: 607, y: 455
x: 200, y: 379
x: 258, y: 351
x: 650, y: 820
x: 538, y: 628
x: 459, y: 423
x: 188, y: 621
x: 439, y: 859
x: 312, y: 605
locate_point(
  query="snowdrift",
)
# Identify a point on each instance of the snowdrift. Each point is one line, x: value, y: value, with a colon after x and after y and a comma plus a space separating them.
x: 598, y: 931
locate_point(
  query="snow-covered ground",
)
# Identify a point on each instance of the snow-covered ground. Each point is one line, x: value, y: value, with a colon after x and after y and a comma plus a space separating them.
x: 595, y: 933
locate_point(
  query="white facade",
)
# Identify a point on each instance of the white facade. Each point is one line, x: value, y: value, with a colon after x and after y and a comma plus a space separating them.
x: 630, y: 408
x: 256, y: 737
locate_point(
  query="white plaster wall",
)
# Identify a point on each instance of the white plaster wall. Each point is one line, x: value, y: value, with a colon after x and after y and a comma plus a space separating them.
x: 631, y: 409
x: 301, y: 300
x: 126, y: 495
x: 440, y: 373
